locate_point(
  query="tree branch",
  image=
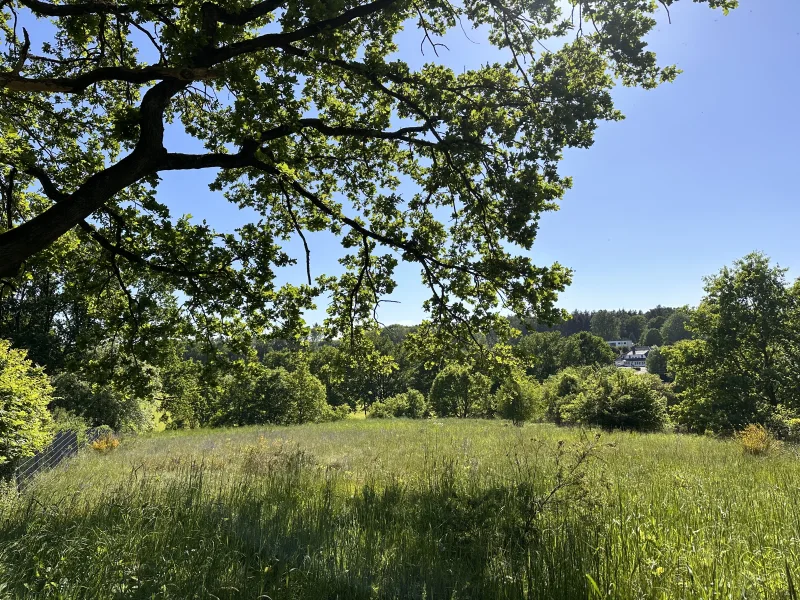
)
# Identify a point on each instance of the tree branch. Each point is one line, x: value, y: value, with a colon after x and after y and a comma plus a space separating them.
x: 117, y: 250
x: 79, y: 83
x: 223, y: 15
x: 274, y: 40
x: 45, y: 9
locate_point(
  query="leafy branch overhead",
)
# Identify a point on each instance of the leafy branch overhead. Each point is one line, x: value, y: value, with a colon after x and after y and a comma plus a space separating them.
x: 311, y: 120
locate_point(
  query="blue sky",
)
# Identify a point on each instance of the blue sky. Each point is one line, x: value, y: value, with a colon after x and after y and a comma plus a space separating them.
x: 701, y: 171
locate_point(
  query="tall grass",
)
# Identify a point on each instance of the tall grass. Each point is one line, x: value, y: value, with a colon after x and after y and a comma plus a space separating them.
x: 405, y: 509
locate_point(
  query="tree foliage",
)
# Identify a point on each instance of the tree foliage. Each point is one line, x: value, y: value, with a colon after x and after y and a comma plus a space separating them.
x: 674, y: 328
x: 458, y: 391
x: 25, y: 392
x: 547, y: 353
x: 259, y: 395
x: 518, y: 399
x: 310, y: 118
x: 606, y: 324
x: 584, y: 349
x: 411, y: 404
x: 651, y: 337
x: 632, y: 327
x: 657, y: 363
x: 608, y: 397
x: 743, y: 367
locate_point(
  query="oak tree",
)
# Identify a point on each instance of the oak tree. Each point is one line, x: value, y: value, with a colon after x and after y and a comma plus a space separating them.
x: 311, y: 118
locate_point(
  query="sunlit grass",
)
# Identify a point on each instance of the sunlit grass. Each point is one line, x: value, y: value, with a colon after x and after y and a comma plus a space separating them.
x: 408, y: 509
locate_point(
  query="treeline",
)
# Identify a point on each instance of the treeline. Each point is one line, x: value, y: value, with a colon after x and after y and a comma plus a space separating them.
x: 732, y: 361
x: 655, y: 327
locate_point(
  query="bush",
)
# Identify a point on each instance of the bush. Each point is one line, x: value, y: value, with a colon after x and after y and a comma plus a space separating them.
x: 335, y: 413
x: 609, y: 397
x: 409, y: 404
x: 456, y: 392
x: 755, y: 439
x: 380, y: 410
x: 417, y: 405
x: 105, y: 443
x: 64, y: 420
x: 559, y: 387
x: 255, y: 394
x: 25, y: 392
x: 518, y: 399
x: 114, y: 404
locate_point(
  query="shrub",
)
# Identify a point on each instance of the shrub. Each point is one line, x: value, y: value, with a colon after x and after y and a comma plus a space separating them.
x: 182, y: 395
x: 25, y: 392
x: 560, y: 387
x: 784, y: 424
x: 409, y: 404
x: 793, y: 433
x: 518, y: 399
x: 608, y: 397
x: 335, y: 413
x: 64, y: 420
x: 116, y: 404
x: 105, y: 443
x: 256, y: 395
x: 755, y: 439
x: 456, y: 392
x: 417, y: 405
x: 379, y: 410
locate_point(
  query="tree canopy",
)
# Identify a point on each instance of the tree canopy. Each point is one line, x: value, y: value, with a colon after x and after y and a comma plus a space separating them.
x: 743, y: 366
x: 606, y: 324
x: 311, y: 119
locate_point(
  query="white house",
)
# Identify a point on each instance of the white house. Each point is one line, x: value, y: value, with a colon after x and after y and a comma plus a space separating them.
x: 636, y: 358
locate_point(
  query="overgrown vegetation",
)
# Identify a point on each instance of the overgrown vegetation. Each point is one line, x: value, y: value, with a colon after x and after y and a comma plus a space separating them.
x: 24, y: 420
x: 610, y: 398
x: 408, y: 509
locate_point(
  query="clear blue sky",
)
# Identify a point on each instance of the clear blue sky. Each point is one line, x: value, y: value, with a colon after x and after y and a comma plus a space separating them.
x: 701, y: 172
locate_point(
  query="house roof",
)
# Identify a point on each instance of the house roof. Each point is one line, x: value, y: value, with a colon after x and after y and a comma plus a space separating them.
x: 637, y: 353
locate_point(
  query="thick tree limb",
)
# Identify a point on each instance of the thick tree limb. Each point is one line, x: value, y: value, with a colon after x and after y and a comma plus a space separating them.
x: 223, y: 15
x: 45, y: 228
x: 149, y: 155
x: 274, y: 40
x: 45, y: 9
x: 79, y: 83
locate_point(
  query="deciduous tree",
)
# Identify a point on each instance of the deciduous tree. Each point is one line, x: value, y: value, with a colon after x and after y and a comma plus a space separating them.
x: 743, y: 368
x: 606, y: 325
x: 674, y: 328
x: 310, y: 117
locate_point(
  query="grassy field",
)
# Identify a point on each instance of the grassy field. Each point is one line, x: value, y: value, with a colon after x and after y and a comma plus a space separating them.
x: 405, y: 509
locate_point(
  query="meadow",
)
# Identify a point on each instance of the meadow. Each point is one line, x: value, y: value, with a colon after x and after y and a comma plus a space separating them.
x: 430, y: 509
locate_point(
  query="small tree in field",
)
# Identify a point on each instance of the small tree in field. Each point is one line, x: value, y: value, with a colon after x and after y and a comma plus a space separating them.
x: 450, y: 392
x: 608, y: 397
x: 25, y: 392
x: 517, y: 399
x: 256, y: 394
x: 457, y: 392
